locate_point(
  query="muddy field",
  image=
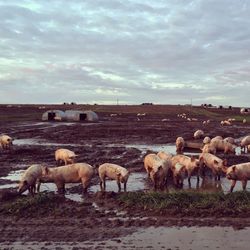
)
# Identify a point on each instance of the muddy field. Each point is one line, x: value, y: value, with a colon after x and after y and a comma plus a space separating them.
x: 124, y: 138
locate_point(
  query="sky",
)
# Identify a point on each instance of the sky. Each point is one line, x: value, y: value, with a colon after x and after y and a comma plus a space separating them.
x: 133, y: 51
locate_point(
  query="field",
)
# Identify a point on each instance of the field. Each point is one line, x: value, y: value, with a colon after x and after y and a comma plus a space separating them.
x: 124, y: 138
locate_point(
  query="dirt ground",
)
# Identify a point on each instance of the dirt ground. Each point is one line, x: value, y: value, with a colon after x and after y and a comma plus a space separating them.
x: 96, y: 143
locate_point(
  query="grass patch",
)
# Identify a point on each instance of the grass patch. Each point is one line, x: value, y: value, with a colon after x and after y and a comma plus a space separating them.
x: 189, y: 201
x: 38, y: 204
x: 207, y: 113
x: 240, y: 118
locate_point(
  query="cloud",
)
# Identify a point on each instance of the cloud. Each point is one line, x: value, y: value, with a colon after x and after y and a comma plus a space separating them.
x: 140, y: 51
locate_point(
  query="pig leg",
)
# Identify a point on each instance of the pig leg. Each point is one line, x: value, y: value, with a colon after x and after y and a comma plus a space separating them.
x: 149, y: 170
x: 85, y: 185
x: 38, y: 186
x: 218, y: 176
x: 189, y: 178
x: 125, y: 186
x: 244, y: 184
x: 119, y: 185
x: 65, y: 162
x: 232, y: 185
x: 60, y: 188
x: 103, y: 183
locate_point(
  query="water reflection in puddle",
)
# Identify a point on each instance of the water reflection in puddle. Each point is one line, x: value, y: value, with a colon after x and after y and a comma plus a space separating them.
x: 194, y: 238
x: 136, y: 182
x: 39, y: 142
x: 169, y: 148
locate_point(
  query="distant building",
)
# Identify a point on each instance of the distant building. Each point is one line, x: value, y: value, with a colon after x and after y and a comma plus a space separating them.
x: 70, y: 115
x: 53, y: 115
x: 78, y: 115
x: 147, y: 103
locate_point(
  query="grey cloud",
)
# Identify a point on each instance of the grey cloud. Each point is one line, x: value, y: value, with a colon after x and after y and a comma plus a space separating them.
x: 158, y: 50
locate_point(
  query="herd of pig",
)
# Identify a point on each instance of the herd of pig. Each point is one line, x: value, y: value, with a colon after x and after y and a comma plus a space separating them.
x: 160, y: 167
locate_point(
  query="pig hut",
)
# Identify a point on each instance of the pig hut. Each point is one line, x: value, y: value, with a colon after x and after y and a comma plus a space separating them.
x: 79, y: 115
x: 53, y: 115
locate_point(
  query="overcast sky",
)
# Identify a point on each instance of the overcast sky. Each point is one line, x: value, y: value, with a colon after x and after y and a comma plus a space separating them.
x: 98, y: 51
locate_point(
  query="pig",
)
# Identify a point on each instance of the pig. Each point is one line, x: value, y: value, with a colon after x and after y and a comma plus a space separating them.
x: 208, y: 148
x: 157, y: 169
x: 164, y: 156
x: 213, y: 162
x: 6, y: 142
x: 65, y: 155
x: 244, y: 143
x: 223, y: 145
x: 218, y: 137
x: 73, y: 173
x: 206, y: 140
x: 29, y: 179
x: 180, y: 143
x: 179, y: 173
x: 114, y: 172
x: 198, y: 134
x: 230, y: 140
x: 239, y: 172
x: 191, y: 164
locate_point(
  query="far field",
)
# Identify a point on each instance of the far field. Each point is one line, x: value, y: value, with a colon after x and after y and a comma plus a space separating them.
x: 124, y: 138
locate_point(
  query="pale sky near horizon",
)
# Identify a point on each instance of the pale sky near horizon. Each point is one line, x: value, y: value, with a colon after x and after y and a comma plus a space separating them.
x: 98, y: 51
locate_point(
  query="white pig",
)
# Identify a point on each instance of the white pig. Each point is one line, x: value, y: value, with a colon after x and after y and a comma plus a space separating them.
x: 179, y: 174
x: 29, y: 179
x: 245, y: 142
x: 239, y: 172
x: 191, y: 164
x: 198, y: 134
x: 114, y: 172
x: 6, y: 142
x: 157, y: 169
x: 180, y: 143
x: 217, y: 165
x: 65, y: 155
x: 73, y: 173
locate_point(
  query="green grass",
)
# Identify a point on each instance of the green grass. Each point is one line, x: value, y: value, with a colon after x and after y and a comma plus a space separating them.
x: 240, y: 118
x: 188, y: 200
x: 29, y: 205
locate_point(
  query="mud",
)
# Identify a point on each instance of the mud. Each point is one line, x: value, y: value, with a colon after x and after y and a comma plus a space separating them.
x: 124, y: 140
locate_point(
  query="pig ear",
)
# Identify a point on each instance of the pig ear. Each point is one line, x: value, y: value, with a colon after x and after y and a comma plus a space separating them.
x: 216, y: 162
x: 224, y: 162
x: 234, y: 168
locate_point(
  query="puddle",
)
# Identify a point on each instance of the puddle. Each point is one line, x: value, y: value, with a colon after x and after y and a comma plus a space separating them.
x: 39, y: 142
x: 15, y: 176
x: 136, y: 182
x: 169, y: 148
x: 194, y: 238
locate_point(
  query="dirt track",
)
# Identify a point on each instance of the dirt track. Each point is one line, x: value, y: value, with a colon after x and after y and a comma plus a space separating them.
x: 97, y: 143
